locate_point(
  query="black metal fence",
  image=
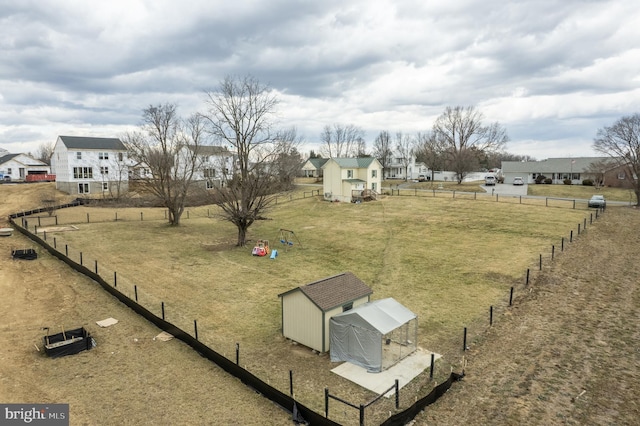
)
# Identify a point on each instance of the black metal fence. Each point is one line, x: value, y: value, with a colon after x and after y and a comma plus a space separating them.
x: 24, y: 220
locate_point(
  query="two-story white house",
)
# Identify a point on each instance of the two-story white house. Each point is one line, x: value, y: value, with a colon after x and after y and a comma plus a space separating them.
x: 215, y: 165
x: 88, y: 165
x: 349, y: 179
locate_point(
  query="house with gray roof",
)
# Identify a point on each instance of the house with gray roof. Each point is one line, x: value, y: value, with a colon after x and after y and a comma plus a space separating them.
x: 16, y: 167
x: 313, y: 167
x: 89, y: 165
x: 306, y: 310
x: 351, y: 179
x: 576, y: 169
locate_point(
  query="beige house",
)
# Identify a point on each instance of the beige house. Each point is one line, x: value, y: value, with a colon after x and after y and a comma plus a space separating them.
x: 313, y: 167
x: 351, y: 179
x: 306, y: 310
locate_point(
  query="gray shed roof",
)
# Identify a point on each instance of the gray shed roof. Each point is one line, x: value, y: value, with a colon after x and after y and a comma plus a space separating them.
x: 333, y: 291
x: 81, y: 142
x: 552, y: 165
x: 7, y: 157
x: 382, y: 315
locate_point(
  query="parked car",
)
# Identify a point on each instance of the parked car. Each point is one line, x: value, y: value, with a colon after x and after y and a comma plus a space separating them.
x: 518, y: 181
x: 597, y: 201
x: 422, y: 178
x: 489, y: 180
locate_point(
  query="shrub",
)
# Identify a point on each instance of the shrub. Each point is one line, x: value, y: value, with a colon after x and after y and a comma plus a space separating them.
x: 587, y: 182
x: 548, y: 181
x: 540, y: 178
x: 567, y: 181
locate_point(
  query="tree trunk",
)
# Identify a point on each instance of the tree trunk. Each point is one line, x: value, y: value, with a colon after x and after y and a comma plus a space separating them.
x: 242, y: 235
x: 637, y: 191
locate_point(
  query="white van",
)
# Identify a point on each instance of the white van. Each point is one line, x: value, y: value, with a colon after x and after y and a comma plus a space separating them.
x: 489, y: 180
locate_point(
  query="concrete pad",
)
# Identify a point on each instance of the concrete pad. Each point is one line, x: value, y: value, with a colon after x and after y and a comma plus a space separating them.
x: 405, y: 371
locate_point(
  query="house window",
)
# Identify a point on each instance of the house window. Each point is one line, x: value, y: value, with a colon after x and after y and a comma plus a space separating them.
x: 120, y: 156
x: 374, y: 186
x: 79, y: 155
x: 104, y: 170
x: 83, y: 173
x: 374, y: 173
x: 349, y: 174
x: 8, y: 170
x: 347, y: 307
x: 83, y: 188
x: 103, y: 155
x: 621, y: 175
x: 105, y: 186
x: 209, y: 173
x: 210, y: 184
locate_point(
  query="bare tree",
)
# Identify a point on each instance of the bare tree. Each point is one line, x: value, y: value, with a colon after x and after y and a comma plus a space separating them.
x: 462, y: 134
x: 383, y: 149
x: 169, y: 146
x: 429, y: 151
x: 404, y: 148
x: 241, y: 112
x: 598, y: 169
x: 621, y: 142
x: 44, y: 152
x: 288, y: 161
x: 340, y: 140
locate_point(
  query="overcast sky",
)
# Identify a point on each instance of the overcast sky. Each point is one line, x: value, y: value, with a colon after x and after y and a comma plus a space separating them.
x: 551, y: 72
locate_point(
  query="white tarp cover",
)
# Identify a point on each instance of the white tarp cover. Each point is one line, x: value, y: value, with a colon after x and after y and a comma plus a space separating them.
x: 357, y: 335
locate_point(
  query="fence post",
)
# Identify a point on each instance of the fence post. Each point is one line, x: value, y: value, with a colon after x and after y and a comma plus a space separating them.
x: 553, y: 251
x: 326, y: 400
x: 491, y: 315
x: 591, y: 218
x: 562, y: 247
x: 96, y: 267
x: 574, y: 204
x: 141, y: 216
x: 433, y: 360
x: 521, y: 199
x: 546, y: 202
x: 237, y: 353
x: 571, y: 236
x: 66, y: 250
x: 115, y: 279
x: 527, y: 281
x: 361, y: 415
x: 116, y: 216
x: 195, y: 328
x: 39, y: 221
x: 511, y: 297
x: 540, y: 262
x: 162, y: 305
x: 80, y: 258
x: 135, y: 291
x: 54, y: 242
x: 291, y: 382
x: 464, y: 340
x: 44, y: 234
x: 187, y: 214
x: 578, y: 229
x: 585, y: 224
x: 56, y: 219
x: 397, y: 394
x: 87, y: 217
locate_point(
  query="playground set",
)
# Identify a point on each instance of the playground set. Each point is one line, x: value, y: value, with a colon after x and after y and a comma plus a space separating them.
x: 286, y: 237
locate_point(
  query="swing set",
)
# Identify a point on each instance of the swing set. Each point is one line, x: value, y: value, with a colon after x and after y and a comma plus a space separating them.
x: 287, y: 238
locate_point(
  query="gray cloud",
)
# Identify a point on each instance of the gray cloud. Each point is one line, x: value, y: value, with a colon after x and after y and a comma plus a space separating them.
x: 552, y: 72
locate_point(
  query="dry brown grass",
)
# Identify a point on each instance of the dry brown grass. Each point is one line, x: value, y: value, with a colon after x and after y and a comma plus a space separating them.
x: 448, y: 260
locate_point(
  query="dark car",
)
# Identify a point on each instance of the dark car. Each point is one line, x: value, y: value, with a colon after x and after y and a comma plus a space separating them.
x: 598, y: 201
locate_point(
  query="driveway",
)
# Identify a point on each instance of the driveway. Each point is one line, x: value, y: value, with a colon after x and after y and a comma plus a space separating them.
x: 505, y: 189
